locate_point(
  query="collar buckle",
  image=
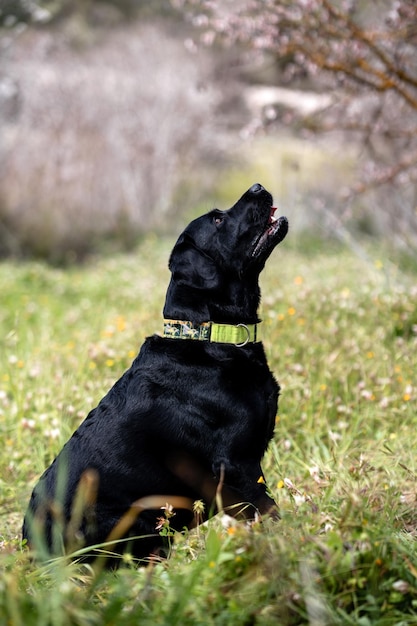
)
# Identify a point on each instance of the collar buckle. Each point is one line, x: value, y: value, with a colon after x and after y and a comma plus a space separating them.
x: 240, y: 345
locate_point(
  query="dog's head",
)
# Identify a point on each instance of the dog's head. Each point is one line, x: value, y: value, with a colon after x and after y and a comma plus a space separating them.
x: 223, y: 252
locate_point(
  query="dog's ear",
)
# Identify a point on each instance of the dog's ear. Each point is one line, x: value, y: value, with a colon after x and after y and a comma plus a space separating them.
x: 192, y: 267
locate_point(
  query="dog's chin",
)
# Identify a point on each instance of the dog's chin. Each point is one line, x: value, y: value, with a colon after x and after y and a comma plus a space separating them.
x: 274, y: 233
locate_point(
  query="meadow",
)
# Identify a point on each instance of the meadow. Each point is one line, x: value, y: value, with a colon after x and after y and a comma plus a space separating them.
x: 341, y: 336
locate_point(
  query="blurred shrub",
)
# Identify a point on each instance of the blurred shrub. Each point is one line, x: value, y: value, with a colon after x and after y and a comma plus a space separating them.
x: 102, y: 135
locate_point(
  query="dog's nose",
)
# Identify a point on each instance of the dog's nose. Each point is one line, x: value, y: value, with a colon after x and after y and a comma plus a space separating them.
x: 256, y: 188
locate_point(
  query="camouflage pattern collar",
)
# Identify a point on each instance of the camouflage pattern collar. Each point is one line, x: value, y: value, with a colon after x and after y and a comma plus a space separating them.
x: 239, y: 334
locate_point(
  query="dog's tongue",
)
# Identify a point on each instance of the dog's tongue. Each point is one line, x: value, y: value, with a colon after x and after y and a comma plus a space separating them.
x: 276, y: 231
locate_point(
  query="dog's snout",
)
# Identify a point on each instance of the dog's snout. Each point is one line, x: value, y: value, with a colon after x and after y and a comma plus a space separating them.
x: 256, y: 188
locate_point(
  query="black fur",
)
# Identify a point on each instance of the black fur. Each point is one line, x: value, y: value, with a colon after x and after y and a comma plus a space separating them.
x: 187, y: 414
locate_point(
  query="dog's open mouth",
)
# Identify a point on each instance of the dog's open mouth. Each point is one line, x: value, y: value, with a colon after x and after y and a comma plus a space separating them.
x: 275, y: 232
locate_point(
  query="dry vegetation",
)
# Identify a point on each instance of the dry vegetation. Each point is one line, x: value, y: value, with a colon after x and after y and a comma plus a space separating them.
x: 101, y: 137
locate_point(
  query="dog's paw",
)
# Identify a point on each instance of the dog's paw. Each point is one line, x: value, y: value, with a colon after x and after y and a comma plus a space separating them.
x: 273, y: 513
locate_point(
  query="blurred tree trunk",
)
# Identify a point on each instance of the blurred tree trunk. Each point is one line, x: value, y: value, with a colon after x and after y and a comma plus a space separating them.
x: 362, y: 55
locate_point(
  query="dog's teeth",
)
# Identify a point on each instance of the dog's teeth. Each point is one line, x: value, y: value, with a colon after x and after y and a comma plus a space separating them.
x: 272, y: 217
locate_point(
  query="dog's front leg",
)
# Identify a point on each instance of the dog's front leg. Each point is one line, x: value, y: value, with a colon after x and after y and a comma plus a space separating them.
x: 238, y: 488
x: 242, y: 489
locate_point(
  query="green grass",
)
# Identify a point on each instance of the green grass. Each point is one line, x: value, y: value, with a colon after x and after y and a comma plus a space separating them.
x: 341, y: 336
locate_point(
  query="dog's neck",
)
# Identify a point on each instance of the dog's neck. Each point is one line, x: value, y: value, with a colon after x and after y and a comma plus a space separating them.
x: 238, y: 304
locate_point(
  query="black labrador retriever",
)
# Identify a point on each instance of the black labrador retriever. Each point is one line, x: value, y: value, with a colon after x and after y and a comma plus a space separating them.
x: 192, y: 417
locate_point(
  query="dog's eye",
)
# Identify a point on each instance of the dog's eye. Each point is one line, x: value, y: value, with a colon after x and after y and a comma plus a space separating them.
x: 218, y: 219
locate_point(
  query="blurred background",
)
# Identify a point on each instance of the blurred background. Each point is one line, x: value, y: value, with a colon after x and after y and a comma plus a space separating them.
x: 120, y: 118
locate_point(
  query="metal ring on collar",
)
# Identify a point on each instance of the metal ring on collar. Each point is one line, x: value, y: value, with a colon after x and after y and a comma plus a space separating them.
x: 240, y: 345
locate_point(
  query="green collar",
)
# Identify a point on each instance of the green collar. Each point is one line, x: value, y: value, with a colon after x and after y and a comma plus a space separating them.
x: 239, y: 334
